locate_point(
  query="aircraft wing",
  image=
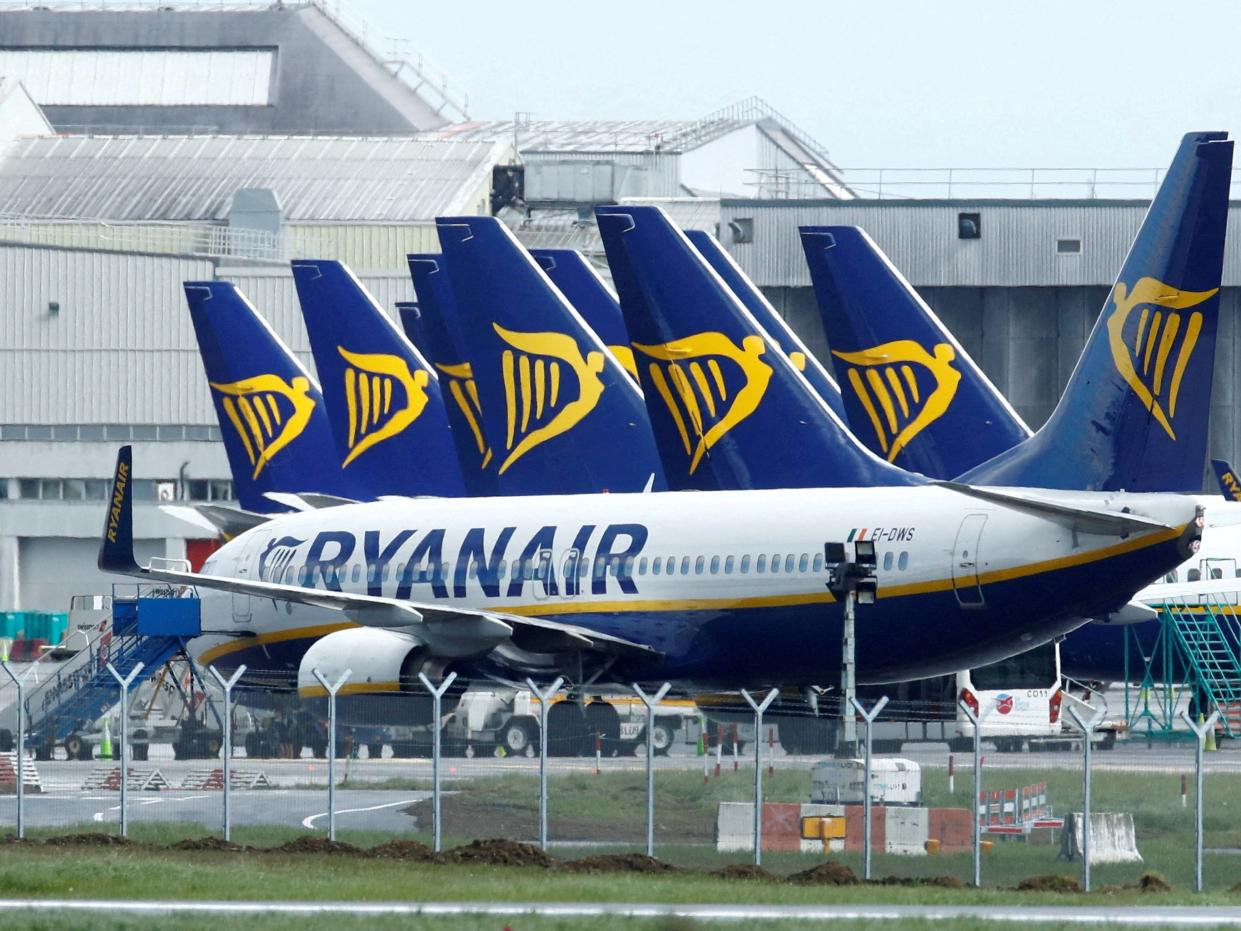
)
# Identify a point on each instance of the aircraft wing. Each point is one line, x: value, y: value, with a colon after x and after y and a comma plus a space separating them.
x: 1089, y: 520
x: 448, y: 631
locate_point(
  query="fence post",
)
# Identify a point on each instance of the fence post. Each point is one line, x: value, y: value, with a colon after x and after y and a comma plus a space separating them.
x: 1200, y: 732
x: 759, y: 708
x: 227, y: 686
x: 125, y: 682
x: 544, y: 716
x: 650, y: 701
x: 869, y: 719
x: 1087, y: 727
x: 20, y: 682
x: 973, y: 718
x: 436, y: 697
x: 331, y: 745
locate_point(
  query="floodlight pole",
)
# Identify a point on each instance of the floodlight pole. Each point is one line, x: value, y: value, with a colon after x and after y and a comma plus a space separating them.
x: 848, y: 675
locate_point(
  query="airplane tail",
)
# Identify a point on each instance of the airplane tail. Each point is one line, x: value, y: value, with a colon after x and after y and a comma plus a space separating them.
x: 591, y: 297
x: 729, y: 409
x: 914, y: 396
x: 431, y: 325
x: 1134, y: 414
x: 272, y: 416
x: 383, y: 400
x: 1226, y: 475
x: 558, y: 408
x: 760, y: 308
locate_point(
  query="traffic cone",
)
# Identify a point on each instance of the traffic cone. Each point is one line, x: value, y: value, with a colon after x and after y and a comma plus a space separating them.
x: 105, y: 742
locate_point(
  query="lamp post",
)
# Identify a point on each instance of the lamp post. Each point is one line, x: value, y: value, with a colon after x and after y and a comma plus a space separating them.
x: 852, y: 583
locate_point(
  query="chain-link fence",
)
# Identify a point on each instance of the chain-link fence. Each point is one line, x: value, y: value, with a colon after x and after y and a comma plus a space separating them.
x: 587, y: 776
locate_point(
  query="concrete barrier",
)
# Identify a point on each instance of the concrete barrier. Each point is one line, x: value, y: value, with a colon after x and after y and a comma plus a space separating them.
x: 894, y: 828
x: 1112, y: 838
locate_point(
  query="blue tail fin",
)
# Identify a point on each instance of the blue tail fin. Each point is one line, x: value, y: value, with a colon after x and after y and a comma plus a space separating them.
x: 272, y: 416
x: 383, y: 400
x: 729, y: 410
x: 765, y: 315
x: 557, y: 406
x: 1134, y: 414
x: 913, y: 395
x: 1229, y: 483
x: 590, y: 297
x: 432, y: 327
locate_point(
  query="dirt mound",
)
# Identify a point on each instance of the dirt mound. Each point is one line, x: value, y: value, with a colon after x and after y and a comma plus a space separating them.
x: 745, y: 871
x: 206, y: 843
x: 409, y: 850
x: 1050, y: 883
x: 1153, y: 882
x: 88, y: 840
x: 943, y: 882
x: 497, y: 852
x: 825, y: 874
x: 317, y: 845
x: 619, y: 863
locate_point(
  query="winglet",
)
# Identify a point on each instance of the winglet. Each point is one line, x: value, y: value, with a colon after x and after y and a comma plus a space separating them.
x: 1226, y: 475
x: 116, y: 550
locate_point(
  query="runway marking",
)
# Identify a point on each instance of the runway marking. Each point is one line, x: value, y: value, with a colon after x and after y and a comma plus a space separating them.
x: 309, y: 820
x: 1165, y: 916
x: 98, y: 816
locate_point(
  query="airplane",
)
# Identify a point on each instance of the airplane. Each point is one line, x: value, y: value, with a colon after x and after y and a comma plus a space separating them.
x: 272, y: 415
x: 550, y: 390
x: 383, y: 399
x: 702, y: 589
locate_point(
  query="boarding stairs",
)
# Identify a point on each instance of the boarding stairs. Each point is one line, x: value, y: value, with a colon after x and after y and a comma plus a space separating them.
x: 150, y: 625
x: 1206, y: 634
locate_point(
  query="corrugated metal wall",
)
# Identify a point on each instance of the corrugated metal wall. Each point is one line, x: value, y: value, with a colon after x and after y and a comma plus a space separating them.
x: 1017, y: 246
x: 120, y: 348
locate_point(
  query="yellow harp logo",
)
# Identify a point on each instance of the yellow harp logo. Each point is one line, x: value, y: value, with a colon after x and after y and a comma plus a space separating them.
x: 383, y: 397
x: 704, y: 402
x: 540, y: 405
x: 267, y: 413
x: 464, y: 392
x: 624, y: 355
x: 1145, y: 345
x: 903, y: 388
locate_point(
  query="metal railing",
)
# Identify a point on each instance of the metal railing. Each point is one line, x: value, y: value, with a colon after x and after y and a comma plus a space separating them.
x: 193, y: 239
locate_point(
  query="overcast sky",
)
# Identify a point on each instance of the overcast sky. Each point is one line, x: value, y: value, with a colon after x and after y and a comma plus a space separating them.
x: 886, y: 83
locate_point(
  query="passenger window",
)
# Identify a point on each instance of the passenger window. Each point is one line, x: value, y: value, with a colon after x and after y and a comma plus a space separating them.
x: 301, y: 575
x: 628, y: 565
x: 1193, y: 575
x: 818, y: 562
x: 761, y: 565
x: 715, y: 565
x: 887, y: 560
x: 656, y: 565
x: 728, y: 566
x: 902, y: 562
x: 372, y: 571
x: 698, y: 564
x: 684, y: 565
x: 775, y: 563
x: 788, y: 563
x: 502, y: 569
x: 357, y: 571
x: 745, y: 564
x: 803, y: 564
x: 387, y: 567
x: 472, y: 572
x: 642, y: 566
x: 1217, y: 573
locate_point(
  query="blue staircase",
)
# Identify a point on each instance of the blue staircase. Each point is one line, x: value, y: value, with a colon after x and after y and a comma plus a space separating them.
x: 1201, y: 631
x: 150, y: 625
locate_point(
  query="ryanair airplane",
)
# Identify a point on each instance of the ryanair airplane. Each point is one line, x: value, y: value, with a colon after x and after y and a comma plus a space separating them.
x: 706, y: 589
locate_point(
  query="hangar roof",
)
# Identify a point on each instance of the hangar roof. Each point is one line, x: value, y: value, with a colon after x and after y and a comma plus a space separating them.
x: 187, y: 178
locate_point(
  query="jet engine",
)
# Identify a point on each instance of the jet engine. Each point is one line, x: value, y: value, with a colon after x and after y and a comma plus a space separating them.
x: 383, y: 685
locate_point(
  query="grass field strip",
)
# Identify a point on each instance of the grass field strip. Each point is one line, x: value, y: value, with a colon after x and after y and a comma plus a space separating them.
x: 1166, y: 916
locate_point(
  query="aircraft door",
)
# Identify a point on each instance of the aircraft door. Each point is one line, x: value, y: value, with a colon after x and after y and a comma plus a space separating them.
x: 543, y: 581
x: 965, y: 561
x: 571, y: 567
x: 242, y: 612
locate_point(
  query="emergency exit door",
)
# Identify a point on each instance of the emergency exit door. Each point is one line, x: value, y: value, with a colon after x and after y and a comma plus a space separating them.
x: 965, y: 561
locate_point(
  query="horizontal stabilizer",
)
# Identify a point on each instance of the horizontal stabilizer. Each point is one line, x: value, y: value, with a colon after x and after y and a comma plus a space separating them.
x: 1088, y: 520
x: 216, y: 518
x: 307, y: 501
